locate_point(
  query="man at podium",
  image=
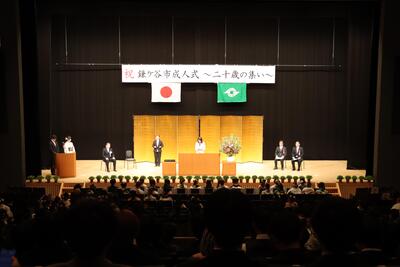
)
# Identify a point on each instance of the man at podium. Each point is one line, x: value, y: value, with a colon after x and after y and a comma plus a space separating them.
x: 109, y: 156
x: 200, y: 146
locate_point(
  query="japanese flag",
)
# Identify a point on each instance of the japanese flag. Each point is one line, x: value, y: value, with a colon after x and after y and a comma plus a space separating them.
x: 166, y: 92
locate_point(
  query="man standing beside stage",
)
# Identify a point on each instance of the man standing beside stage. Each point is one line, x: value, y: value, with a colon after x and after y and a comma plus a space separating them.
x: 280, y: 154
x: 297, y: 155
x: 53, y: 149
x: 109, y: 156
x: 157, y: 148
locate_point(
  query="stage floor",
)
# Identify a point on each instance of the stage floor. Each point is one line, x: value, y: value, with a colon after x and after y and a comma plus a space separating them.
x: 321, y: 170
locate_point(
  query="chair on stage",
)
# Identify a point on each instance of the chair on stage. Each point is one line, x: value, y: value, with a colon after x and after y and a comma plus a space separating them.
x: 302, y: 166
x: 129, y: 158
x: 102, y: 163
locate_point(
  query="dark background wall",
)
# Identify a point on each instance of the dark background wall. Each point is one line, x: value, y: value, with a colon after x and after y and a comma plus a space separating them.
x: 388, y: 99
x: 12, y: 161
x: 326, y: 105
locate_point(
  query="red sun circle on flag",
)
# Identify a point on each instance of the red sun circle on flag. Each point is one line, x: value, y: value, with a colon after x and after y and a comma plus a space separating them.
x: 166, y: 91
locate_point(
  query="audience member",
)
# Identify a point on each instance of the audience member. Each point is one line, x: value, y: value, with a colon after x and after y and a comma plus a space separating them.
x: 91, y: 227
x: 333, y: 223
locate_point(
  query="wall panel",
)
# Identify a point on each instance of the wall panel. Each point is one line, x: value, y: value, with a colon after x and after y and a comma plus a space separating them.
x: 143, y: 135
x: 211, y: 132
x: 188, y: 131
x: 252, y: 138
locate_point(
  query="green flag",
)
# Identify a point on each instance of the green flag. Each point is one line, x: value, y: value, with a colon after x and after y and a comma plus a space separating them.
x: 231, y: 92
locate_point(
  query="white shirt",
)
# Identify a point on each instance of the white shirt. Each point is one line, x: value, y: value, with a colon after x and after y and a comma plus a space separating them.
x: 69, y: 147
x: 200, y: 147
x: 294, y: 190
x: 307, y: 190
x: 396, y: 206
x: 280, y: 149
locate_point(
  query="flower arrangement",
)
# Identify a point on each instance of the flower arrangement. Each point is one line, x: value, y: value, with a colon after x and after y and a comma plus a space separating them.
x: 230, y: 145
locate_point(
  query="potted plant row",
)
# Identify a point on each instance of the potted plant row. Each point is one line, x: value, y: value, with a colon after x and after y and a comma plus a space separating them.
x: 40, y: 178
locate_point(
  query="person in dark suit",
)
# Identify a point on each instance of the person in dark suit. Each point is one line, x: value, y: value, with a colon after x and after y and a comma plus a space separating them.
x: 53, y: 149
x: 109, y: 156
x: 297, y: 155
x: 280, y: 154
x: 157, y: 148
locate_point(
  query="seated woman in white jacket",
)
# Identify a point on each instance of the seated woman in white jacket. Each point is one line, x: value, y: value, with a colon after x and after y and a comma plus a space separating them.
x: 200, y: 146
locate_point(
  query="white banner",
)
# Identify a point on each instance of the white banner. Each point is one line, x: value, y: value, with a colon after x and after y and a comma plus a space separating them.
x: 198, y: 73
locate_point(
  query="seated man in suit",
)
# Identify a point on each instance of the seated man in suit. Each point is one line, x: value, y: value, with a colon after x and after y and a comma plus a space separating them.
x: 108, y: 155
x: 280, y: 154
x: 297, y: 155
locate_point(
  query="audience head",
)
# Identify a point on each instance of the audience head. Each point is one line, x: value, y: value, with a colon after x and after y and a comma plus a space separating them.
x: 90, y: 227
x: 235, y: 180
x: 321, y: 185
x: 332, y: 221
x: 152, y: 182
x: 128, y: 225
x: 151, y: 191
x: 227, y: 216
x: 267, y: 186
x: 261, y: 217
x: 371, y: 233
x: 77, y: 187
x: 138, y: 184
x: 113, y: 182
x: 209, y: 183
x: 285, y: 229
x: 220, y: 183
x: 124, y: 185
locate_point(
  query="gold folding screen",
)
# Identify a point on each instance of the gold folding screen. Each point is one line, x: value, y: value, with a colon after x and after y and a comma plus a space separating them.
x: 179, y: 134
x: 143, y: 136
x: 210, y: 131
x: 188, y: 131
x: 252, y: 138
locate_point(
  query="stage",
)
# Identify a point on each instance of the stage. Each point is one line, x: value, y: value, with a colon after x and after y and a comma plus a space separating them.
x: 321, y: 170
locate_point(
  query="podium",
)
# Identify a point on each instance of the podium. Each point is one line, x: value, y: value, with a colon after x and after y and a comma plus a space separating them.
x: 169, y: 168
x: 228, y: 168
x: 66, y: 164
x: 199, y: 164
